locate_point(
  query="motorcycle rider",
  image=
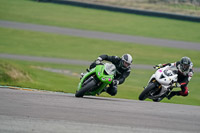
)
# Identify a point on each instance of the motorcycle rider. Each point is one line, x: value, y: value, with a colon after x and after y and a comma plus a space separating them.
x: 123, y: 67
x: 185, y: 73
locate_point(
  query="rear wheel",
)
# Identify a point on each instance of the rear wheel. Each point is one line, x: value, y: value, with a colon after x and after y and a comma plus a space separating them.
x: 146, y: 91
x: 85, y: 88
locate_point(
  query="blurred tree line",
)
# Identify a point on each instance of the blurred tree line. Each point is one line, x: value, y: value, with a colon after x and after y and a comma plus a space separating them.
x: 187, y: 7
x: 194, y: 2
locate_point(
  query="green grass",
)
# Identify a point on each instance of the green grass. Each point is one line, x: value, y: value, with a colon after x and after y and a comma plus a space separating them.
x: 39, y: 79
x: 43, y: 80
x: 61, y: 46
x: 82, y: 18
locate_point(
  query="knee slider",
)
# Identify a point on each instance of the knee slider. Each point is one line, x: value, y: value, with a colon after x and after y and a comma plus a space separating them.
x: 185, y: 93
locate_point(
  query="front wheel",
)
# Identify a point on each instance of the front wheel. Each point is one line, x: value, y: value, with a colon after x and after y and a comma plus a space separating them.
x: 85, y: 88
x: 146, y: 91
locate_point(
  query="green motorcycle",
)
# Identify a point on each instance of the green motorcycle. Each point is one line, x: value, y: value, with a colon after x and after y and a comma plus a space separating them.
x: 94, y: 81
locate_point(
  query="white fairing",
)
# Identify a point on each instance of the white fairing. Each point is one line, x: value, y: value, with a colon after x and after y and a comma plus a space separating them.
x: 163, y: 80
x: 165, y: 76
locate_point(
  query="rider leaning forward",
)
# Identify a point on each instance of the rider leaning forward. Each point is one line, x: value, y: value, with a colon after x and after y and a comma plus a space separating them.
x: 123, y: 66
x: 185, y: 73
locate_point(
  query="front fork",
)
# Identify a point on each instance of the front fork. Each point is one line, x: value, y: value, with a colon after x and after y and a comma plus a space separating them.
x: 157, y: 88
x: 87, y: 81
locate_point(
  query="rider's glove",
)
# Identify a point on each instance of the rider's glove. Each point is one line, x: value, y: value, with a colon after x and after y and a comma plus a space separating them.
x: 115, y: 82
x: 98, y: 61
x: 158, y: 66
x: 176, y: 84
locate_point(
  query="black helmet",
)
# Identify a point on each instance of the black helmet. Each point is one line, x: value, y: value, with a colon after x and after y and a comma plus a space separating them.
x: 126, y: 61
x: 185, y: 63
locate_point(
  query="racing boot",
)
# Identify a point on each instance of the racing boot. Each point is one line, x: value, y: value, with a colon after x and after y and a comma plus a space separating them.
x: 173, y: 93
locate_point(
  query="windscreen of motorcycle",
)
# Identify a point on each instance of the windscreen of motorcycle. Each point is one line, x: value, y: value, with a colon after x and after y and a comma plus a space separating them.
x: 168, y: 72
x: 110, y: 69
x: 165, y: 76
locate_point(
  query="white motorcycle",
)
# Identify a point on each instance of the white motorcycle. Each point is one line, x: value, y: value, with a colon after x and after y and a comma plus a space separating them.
x: 160, y: 84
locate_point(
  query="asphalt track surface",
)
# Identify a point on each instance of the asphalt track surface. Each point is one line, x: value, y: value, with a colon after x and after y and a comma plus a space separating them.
x: 101, y: 35
x: 49, y: 112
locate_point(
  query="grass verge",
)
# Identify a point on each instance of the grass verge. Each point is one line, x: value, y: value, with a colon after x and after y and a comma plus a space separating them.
x: 37, y: 79
x: 30, y: 11
x: 131, y: 89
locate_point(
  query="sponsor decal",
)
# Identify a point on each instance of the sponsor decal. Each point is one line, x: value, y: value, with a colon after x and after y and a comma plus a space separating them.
x: 103, y: 79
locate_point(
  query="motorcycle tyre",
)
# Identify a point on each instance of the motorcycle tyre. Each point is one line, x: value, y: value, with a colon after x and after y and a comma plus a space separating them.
x: 85, y: 88
x: 144, y: 95
x: 157, y: 100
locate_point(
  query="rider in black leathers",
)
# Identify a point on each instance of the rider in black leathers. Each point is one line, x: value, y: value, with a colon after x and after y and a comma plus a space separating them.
x: 123, y: 66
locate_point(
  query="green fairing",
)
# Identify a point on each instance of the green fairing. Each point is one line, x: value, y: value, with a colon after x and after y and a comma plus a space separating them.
x: 101, y: 75
x: 105, y: 79
x: 92, y: 71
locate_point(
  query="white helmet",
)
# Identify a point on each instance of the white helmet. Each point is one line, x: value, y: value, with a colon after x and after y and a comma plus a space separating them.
x: 126, y: 61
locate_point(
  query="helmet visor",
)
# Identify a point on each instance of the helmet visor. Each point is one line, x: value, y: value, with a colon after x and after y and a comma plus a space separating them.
x: 126, y: 64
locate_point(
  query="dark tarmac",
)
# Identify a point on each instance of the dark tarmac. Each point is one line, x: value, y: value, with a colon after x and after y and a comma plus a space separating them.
x: 50, y: 112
